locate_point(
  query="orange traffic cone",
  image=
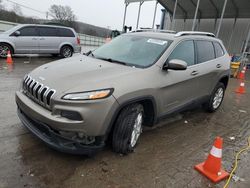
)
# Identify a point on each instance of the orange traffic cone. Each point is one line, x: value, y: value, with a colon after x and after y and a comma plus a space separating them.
x: 242, y: 74
x: 241, y: 89
x: 211, y: 168
x: 9, y: 58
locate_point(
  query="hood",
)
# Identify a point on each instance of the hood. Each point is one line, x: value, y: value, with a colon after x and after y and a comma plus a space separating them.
x: 3, y: 35
x: 80, y: 73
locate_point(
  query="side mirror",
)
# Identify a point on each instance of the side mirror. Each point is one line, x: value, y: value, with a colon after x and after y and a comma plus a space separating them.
x: 17, y: 33
x: 175, y: 64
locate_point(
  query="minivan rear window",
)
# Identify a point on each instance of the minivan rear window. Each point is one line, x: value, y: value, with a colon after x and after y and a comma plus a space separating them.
x: 63, y: 32
x: 205, y: 51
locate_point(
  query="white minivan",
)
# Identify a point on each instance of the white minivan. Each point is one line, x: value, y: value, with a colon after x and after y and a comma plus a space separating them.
x: 40, y: 39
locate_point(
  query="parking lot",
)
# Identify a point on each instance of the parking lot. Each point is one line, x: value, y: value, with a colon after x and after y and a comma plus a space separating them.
x: 164, y: 157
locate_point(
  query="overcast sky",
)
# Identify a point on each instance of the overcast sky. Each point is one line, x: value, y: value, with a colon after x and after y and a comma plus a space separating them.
x: 97, y: 12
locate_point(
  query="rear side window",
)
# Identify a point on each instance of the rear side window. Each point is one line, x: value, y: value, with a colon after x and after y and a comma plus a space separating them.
x: 48, y: 31
x: 28, y: 31
x: 205, y: 51
x: 63, y: 32
x: 184, y: 51
x: 218, y: 50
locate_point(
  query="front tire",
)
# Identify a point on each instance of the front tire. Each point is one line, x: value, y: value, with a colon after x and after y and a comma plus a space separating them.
x: 66, y: 51
x: 216, y: 98
x: 4, y: 48
x: 128, y: 129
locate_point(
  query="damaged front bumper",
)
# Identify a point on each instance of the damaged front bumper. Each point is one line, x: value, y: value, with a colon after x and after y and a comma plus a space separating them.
x: 56, y: 141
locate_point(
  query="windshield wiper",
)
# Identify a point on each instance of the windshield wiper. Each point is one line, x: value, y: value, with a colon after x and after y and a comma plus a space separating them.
x: 112, y: 60
x: 89, y: 53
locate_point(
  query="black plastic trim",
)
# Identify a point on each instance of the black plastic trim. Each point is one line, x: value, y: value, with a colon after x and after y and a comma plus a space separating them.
x: 56, y: 141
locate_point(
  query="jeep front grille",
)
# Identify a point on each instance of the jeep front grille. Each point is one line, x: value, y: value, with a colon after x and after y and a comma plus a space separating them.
x: 38, y: 92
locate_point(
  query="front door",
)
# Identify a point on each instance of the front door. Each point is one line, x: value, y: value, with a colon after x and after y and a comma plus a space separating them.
x: 27, y: 41
x: 179, y: 87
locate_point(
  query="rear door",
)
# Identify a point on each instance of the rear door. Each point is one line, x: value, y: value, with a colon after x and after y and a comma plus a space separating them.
x: 49, y: 40
x: 207, y: 67
x: 27, y: 41
x: 179, y: 88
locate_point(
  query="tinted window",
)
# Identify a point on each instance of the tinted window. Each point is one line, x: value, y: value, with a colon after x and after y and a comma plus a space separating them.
x: 218, y: 49
x: 48, y: 31
x: 66, y: 32
x: 205, y: 51
x: 184, y: 51
x: 28, y: 31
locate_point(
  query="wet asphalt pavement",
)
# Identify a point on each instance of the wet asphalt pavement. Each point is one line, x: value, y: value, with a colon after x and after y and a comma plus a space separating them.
x: 164, y: 157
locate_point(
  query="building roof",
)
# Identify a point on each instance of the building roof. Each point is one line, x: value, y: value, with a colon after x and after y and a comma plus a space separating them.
x: 208, y: 8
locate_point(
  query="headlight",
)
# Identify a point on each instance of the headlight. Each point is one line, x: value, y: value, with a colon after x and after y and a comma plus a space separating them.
x: 90, y: 95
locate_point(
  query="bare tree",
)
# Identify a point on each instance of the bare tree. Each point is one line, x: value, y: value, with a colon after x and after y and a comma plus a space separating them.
x: 17, y: 9
x: 1, y: 5
x: 63, y: 14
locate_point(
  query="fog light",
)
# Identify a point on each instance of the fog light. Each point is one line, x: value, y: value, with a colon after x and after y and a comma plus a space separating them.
x: 71, y: 115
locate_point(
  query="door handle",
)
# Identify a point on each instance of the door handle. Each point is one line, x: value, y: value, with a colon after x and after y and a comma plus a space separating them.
x: 194, y: 73
x: 218, y: 66
x: 42, y: 38
x: 34, y: 38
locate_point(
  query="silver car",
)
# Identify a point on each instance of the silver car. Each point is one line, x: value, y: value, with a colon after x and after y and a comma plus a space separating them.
x: 40, y: 39
x: 135, y: 80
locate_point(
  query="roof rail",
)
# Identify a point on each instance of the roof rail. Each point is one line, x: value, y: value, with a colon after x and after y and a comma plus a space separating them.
x: 154, y: 30
x: 183, y: 33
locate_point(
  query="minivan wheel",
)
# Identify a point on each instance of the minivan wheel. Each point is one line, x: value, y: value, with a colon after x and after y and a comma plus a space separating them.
x: 4, y: 48
x: 216, y: 98
x: 66, y: 51
x: 128, y: 129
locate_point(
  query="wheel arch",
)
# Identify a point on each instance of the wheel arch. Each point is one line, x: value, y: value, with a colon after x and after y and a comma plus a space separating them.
x: 66, y: 44
x: 8, y: 43
x: 224, y: 80
x: 150, y: 110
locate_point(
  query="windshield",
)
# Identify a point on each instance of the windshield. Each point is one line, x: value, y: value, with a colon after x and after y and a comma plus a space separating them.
x: 11, y: 30
x: 132, y: 50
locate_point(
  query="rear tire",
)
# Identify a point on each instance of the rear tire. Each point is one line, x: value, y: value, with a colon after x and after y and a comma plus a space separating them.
x: 216, y: 98
x: 4, y: 48
x: 66, y: 51
x: 128, y: 128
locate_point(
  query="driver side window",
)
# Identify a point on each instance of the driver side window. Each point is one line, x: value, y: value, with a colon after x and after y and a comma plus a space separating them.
x: 28, y: 32
x: 184, y: 51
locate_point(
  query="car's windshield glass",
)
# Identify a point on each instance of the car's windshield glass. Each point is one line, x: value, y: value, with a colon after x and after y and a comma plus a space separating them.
x: 132, y: 50
x: 11, y: 30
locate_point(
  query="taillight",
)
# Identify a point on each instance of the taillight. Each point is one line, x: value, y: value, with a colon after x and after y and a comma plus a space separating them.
x: 78, y: 41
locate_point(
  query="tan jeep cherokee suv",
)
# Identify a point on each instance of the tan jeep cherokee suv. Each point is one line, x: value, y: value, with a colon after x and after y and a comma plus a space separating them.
x: 75, y: 105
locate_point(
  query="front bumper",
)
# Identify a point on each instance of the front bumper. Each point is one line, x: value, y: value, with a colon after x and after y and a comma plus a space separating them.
x: 55, y: 140
x: 96, y: 115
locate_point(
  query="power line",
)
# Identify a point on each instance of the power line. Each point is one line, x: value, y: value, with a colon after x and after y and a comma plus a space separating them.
x: 30, y: 8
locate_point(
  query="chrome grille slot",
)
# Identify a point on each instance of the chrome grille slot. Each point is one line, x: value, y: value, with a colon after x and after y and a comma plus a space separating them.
x: 32, y: 87
x: 38, y: 92
x: 38, y: 86
x: 43, y: 93
x: 49, y: 96
x: 28, y: 84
